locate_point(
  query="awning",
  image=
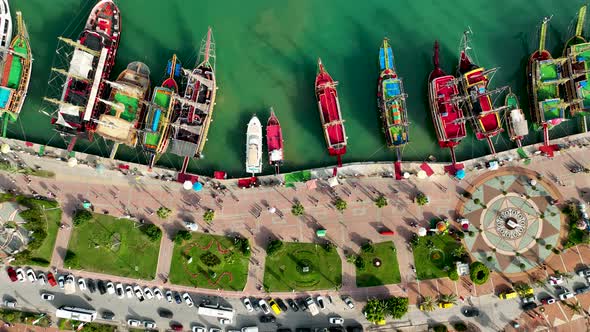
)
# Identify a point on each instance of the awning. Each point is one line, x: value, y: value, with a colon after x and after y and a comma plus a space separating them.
x: 333, y: 181
x: 422, y: 174
x: 220, y: 175
x: 426, y: 169
x: 187, y: 185
x: 320, y: 232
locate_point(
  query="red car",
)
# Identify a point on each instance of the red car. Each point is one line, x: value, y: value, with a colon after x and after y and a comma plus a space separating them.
x: 51, y: 279
x: 11, y: 274
x: 176, y: 327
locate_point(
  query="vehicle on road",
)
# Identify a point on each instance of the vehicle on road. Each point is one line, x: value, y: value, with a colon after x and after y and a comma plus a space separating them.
x: 133, y: 322
x: 251, y: 329
x: 282, y: 304
x: 293, y: 305
x: 47, y: 296
x: 224, y: 321
x: 11, y: 274
x: 20, y: 275
x: 198, y: 328
x: 529, y: 306
x: 82, y: 284
x: 165, y: 313
x: 149, y: 324
x: 264, y: 306
x: 148, y: 293
x: 274, y: 306
x: 188, y: 300
x: 566, y: 295
x: 510, y: 294
x: 31, y: 275
x: 548, y: 300
x: 176, y: 326
x: 313, y: 308
x: 10, y: 303
x: 61, y: 281
x: 336, y: 320
x: 42, y: 279
x: 158, y: 293
x: 101, y: 287
x: 169, y: 296
x: 321, y: 302
x: 247, y: 304
x: 91, y: 285
x: 129, y: 291
x: 110, y: 288
x: 348, y: 301
x: 79, y: 314
x: 138, y: 293
x: 119, y: 290
x: 470, y: 312
x: 556, y: 280
x: 177, y: 298
x: 267, y: 319
x: 108, y: 315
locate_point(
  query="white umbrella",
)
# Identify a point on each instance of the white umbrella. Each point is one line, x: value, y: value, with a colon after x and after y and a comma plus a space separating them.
x: 422, y: 231
x: 422, y: 175
x: 533, y: 182
x: 5, y: 148
x: 333, y: 181
x: 406, y: 175
x: 187, y: 185
x: 72, y: 162
x: 272, y: 209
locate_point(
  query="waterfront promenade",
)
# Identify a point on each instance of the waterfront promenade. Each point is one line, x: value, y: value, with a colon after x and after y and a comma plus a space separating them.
x: 245, y: 211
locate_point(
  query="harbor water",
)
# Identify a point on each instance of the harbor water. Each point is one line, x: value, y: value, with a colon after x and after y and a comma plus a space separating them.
x: 267, y: 53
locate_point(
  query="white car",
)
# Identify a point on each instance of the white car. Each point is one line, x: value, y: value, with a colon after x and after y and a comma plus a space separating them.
x: 188, y: 299
x: 119, y: 290
x: 348, y: 302
x: 197, y: 328
x: 129, y: 291
x: 566, y: 295
x: 138, y: 293
x: 70, y: 279
x: 336, y: 320
x: 158, y: 293
x: 584, y: 273
x: 31, y: 275
x: 248, y: 304
x: 264, y: 306
x: 133, y: 322
x: 42, y: 279
x: 149, y: 324
x: 169, y: 296
x: 214, y: 329
x: 20, y: 274
x: 47, y: 296
x: 556, y: 280
x: 191, y: 226
x: 148, y: 293
x: 224, y: 321
x: 10, y: 304
x: 82, y: 284
x: 320, y: 301
x: 60, y: 281
x: 110, y: 288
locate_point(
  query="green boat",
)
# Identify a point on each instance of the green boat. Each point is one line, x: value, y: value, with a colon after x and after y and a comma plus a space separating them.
x: 577, y: 52
x: 16, y: 74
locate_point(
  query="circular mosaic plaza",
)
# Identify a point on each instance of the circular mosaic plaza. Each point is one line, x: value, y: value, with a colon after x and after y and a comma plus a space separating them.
x: 511, y: 220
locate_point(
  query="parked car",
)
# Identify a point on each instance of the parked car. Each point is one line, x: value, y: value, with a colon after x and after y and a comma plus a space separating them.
x: 158, y: 293
x: 20, y: 275
x: 293, y: 305
x: 348, y: 301
x: 188, y: 300
x: 529, y: 306
x: 149, y: 324
x: 336, y: 320
x: 61, y: 281
x: 47, y: 296
x: 214, y: 329
x: 247, y: 304
x: 282, y: 305
x: 302, y: 303
x: 176, y: 326
x: 101, y: 287
x: 42, y: 279
x: 91, y: 285
x: 566, y: 295
x: 119, y: 290
x: 110, y: 288
x: 470, y: 312
x: 255, y: 304
x: 169, y: 296
x: 224, y: 321
x: 584, y: 273
x: 82, y: 284
x: 320, y: 302
x: 148, y: 293
x: 177, y: 298
x: 133, y: 322
x: 267, y: 318
x: 556, y: 280
x: 264, y: 306
x: 11, y: 274
x: 138, y: 293
x: 582, y: 290
x: 198, y: 328
x: 165, y: 313
x: 528, y: 299
x: 548, y: 300
x: 31, y: 275
x: 108, y: 315
x: 129, y: 291
x: 70, y: 279
x: 10, y: 303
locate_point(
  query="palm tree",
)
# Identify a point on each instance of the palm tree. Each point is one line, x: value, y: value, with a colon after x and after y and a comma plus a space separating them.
x: 427, y: 304
x: 459, y: 252
x: 447, y: 298
x: 576, y: 307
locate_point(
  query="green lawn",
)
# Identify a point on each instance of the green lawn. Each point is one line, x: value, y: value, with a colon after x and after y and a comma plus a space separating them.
x: 230, y: 274
x: 387, y: 273
x: 52, y: 218
x: 113, y: 246
x: 284, y: 269
x: 430, y: 262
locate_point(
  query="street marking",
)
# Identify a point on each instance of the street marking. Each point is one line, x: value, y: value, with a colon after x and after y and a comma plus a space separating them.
x: 580, y: 255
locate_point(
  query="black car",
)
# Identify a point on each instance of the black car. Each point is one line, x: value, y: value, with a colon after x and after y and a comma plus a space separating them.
x: 582, y: 290
x: 90, y: 285
x: 354, y: 328
x: 108, y: 315
x: 284, y: 329
x: 302, y: 329
x: 529, y: 306
x: 282, y: 304
x: 470, y: 312
x: 293, y: 305
x: 267, y: 319
x: 177, y: 298
x: 302, y: 304
x: 255, y: 305
x: 165, y: 313
x: 102, y: 289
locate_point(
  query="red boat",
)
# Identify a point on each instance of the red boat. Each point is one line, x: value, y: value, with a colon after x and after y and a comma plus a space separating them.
x: 330, y: 114
x: 274, y: 141
x: 446, y: 115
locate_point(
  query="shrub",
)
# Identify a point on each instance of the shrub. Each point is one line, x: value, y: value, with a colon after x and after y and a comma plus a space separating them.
x: 548, y: 246
x: 489, y: 258
x: 460, y: 326
x: 208, y: 216
x: 461, y: 235
x: 453, y: 275
x: 440, y: 328
x: 422, y: 199
x: 210, y: 259
x: 329, y: 246
x: 471, y: 233
x: 359, y: 263
x: 152, y: 231
x: 368, y: 247
x: 297, y: 209
x: 181, y: 236
x: 522, y: 266
x: 81, y: 217
x: 476, y: 201
x: 274, y: 246
x: 556, y: 251
x: 163, y: 212
x: 381, y: 201
x: 340, y: 204
x: 479, y: 273
x: 71, y: 260
x: 243, y: 245
x: 467, y: 194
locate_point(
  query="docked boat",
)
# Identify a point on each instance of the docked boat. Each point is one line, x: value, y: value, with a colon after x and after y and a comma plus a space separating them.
x: 5, y: 24
x: 577, y: 53
x: 391, y: 99
x: 484, y: 118
x: 121, y: 120
x: 545, y: 77
x: 16, y: 64
x: 274, y: 141
x: 330, y: 114
x: 254, y: 146
x: 516, y: 123
x: 447, y: 116
x: 90, y: 62
x: 189, y: 130
x: 161, y: 111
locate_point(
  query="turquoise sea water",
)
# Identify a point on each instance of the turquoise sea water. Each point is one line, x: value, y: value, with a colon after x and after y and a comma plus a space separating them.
x: 267, y: 53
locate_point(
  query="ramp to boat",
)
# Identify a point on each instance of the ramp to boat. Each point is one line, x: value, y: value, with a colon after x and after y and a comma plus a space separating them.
x: 398, y: 170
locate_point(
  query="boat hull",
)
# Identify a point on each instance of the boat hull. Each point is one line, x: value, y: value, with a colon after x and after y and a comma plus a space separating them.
x: 254, y: 146
x: 274, y: 140
x: 330, y: 114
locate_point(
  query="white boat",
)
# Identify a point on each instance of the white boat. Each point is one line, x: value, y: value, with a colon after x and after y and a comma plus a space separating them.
x: 5, y: 25
x: 254, y: 146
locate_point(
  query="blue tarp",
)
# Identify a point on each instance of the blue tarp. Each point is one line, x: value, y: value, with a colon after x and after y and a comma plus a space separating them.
x: 393, y: 88
x: 460, y: 174
x: 381, y: 59
x: 156, y: 120
x: 197, y: 186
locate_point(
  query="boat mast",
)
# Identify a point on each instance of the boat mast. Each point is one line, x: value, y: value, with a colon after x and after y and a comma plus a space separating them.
x: 207, y: 50
x: 581, y: 19
x: 543, y: 34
